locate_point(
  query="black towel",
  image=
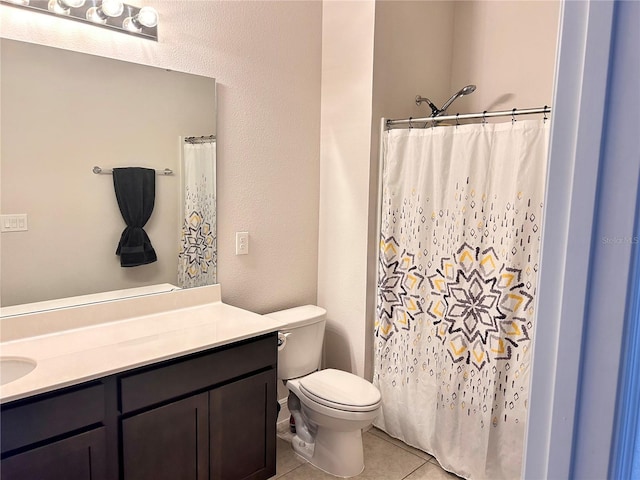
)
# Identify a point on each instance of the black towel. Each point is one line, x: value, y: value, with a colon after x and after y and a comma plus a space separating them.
x: 136, y: 192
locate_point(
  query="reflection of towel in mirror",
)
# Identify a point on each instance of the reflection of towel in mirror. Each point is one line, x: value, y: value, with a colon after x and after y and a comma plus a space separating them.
x: 135, y: 191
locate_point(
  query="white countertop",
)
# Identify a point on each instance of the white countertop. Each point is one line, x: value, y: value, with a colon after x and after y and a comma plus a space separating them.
x: 196, y: 321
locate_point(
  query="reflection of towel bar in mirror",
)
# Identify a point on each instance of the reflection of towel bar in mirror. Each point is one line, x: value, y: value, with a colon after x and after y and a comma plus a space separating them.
x: 103, y: 171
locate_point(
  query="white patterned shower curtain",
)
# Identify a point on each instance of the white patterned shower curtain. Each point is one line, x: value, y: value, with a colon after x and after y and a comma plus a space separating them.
x: 458, y: 262
x: 197, y: 258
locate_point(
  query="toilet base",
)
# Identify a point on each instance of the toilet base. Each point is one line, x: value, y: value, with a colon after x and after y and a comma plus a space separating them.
x: 337, y: 453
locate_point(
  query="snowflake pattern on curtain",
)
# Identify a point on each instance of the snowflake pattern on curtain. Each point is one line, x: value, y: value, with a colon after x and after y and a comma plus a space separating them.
x: 476, y: 303
x: 198, y: 246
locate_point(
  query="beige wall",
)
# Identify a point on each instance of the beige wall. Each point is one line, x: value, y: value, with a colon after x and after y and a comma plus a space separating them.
x: 347, y: 83
x: 405, y: 65
x: 266, y: 58
x: 507, y: 49
x: 429, y: 48
x: 413, y: 56
x: 371, y: 67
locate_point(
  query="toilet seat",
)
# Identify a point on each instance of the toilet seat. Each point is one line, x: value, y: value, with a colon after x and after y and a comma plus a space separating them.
x: 340, y: 390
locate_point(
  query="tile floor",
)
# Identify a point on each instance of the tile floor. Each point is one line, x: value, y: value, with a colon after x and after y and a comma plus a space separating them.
x: 385, y: 458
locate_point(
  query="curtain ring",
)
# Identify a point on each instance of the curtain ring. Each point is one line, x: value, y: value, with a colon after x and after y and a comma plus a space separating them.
x: 513, y: 116
x: 484, y: 118
x: 457, y: 120
x: 544, y: 120
x: 410, y: 126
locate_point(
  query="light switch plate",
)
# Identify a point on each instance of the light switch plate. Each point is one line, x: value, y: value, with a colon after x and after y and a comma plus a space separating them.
x: 16, y: 222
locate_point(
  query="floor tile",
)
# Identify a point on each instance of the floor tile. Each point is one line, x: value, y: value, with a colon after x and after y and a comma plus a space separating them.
x: 400, y: 443
x: 383, y: 461
x: 431, y: 471
x: 286, y: 459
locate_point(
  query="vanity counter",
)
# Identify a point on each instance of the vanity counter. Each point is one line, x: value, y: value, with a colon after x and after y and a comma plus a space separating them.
x: 142, y: 331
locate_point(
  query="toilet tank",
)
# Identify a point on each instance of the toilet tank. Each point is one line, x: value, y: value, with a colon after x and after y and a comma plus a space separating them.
x: 301, y: 350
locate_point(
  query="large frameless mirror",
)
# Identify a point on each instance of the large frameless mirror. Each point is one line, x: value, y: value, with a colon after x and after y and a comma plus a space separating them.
x: 64, y: 113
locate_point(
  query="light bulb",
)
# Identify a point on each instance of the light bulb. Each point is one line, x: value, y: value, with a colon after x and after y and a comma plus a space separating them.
x: 62, y: 7
x: 108, y: 8
x: 73, y: 3
x: 112, y: 8
x: 55, y: 7
x: 146, y: 17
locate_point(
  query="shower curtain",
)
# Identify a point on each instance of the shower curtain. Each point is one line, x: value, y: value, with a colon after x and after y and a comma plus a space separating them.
x: 457, y: 269
x: 197, y: 256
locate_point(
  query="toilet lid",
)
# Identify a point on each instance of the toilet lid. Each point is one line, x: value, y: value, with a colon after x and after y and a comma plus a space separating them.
x: 340, y: 390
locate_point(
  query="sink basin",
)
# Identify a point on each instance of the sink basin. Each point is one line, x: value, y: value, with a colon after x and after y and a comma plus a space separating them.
x: 13, y: 368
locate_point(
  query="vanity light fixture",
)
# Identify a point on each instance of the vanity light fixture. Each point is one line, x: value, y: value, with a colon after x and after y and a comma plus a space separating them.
x: 111, y: 14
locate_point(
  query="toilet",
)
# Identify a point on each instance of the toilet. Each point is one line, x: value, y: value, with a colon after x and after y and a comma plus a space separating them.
x: 330, y: 407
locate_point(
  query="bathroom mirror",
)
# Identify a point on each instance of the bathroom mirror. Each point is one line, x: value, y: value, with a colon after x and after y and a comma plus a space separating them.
x: 63, y: 113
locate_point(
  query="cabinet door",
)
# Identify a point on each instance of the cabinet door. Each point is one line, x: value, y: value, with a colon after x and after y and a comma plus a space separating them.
x: 243, y: 428
x: 168, y: 443
x: 81, y: 457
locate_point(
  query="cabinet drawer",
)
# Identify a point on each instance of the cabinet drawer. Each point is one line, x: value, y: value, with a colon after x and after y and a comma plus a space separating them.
x: 176, y: 378
x: 29, y: 421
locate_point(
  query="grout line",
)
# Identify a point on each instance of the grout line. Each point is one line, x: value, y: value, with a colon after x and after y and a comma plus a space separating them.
x: 288, y: 472
x: 413, y: 471
x: 433, y: 460
x: 405, y: 447
x: 423, y: 460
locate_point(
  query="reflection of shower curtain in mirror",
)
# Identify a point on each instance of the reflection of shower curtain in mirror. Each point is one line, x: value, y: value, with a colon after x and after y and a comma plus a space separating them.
x: 458, y: 263
x: 197, y: 257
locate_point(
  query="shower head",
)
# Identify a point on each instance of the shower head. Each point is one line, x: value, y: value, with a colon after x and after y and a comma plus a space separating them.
x: 434, y: 109
x: 460, y: 93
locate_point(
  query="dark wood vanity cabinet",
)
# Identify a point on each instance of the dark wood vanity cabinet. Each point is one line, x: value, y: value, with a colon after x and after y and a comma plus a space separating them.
x: 79, y: 457
x: 209, y: 415
x: 168, y: 442
x: 56, y: 435
x: 242, y: 418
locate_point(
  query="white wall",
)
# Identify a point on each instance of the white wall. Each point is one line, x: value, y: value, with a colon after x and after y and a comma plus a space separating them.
x: 266, y: 59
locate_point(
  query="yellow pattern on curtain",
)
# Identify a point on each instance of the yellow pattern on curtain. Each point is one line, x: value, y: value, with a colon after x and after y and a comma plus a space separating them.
x: 457, y: 272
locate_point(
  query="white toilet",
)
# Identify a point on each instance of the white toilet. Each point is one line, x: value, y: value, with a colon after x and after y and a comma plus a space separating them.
x: 330, y: 407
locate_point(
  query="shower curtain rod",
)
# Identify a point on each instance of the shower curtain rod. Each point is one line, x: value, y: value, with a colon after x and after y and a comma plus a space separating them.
x: 465, y: 116
x: 104, y: 171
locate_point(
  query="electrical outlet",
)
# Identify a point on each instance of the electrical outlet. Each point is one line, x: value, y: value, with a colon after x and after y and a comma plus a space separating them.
x: 242, y: 243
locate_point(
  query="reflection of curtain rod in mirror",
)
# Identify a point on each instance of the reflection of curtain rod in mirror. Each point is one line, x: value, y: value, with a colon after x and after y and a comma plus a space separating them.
x: 104, y: 171
x: 203, y: 139
x: 112, y: 14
